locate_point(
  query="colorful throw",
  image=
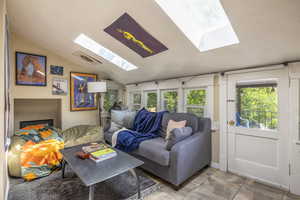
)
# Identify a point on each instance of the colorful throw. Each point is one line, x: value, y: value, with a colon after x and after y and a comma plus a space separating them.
x: 40, y: 154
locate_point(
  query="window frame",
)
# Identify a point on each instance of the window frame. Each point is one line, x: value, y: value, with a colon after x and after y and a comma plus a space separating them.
x: 132, y: 104
x: 186, y: 106
x: 146, y: 92
x: 162, y: 98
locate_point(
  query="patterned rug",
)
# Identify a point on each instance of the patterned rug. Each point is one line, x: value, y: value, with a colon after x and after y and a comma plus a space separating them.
x: 54, y: 187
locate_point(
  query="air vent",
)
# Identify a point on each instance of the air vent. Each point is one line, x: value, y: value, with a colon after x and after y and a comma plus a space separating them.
x: 87, y: 58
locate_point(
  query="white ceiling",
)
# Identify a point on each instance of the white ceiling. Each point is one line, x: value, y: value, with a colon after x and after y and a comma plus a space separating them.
x: 268, y: 30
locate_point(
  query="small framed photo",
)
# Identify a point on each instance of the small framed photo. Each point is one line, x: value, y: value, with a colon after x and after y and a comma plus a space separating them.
x: 59, y: 86
x: 31, y: 69
x: 57, y: 70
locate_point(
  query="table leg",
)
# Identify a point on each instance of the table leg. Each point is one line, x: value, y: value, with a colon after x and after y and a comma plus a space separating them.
x: 63, y: 168
x: 133, y: 172
x: 92, y: 192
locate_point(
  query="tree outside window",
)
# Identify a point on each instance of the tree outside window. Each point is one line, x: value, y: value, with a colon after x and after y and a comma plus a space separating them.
x: 136, y: 101
x: 151, y: 103
x: 257, y: 106
x: 170, y: 101
x: 110, y: 98
x: 195, y: 101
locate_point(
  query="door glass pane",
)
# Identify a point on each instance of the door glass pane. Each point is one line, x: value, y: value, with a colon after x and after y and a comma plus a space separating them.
x: 170, y: 101
x: 151, y: 101
x: 257, y: 106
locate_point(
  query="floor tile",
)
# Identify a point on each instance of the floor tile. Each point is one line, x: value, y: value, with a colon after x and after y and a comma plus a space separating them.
x: 252, y: 190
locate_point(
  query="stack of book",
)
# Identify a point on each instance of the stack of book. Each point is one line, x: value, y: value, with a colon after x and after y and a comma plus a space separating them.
x: 99, y: 152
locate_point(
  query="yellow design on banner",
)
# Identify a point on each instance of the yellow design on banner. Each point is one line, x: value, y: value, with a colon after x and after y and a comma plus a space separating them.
x: 129, y: 36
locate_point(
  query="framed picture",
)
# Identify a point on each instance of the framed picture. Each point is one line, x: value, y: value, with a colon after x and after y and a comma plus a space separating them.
x: 81, y: 100
x: 31, y: 69
x: 59, y: 86
x: 57, y: 70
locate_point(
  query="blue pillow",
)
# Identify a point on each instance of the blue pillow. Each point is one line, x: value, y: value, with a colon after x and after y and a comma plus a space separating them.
x: 177, y: 135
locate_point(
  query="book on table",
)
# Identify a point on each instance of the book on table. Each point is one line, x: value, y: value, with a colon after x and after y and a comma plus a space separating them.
x: 99, y: 151
x: 102, y: 154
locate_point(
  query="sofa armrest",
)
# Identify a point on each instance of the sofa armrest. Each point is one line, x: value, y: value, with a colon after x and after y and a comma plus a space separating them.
x: 190, y: 155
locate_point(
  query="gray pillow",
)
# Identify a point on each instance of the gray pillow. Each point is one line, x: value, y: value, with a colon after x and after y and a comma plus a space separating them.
x: 125, y: 118
x: 114, y: 127
x: 177, y: 135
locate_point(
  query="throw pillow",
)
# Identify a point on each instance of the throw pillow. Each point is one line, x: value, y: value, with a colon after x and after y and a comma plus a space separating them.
x: 125, y: 118
x: 114, y: 127
x: 173, y: 124
x: 177, y: 135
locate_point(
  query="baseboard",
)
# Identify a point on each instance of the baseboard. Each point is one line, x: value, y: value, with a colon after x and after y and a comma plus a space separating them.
x: 215, y: 165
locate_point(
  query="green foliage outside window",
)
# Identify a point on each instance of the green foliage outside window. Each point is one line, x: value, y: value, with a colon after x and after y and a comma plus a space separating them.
x: 195, y: 102
x: 258, y: 106
x: 152, y: 101
x: 196, y: 97
x: 170, y: 101
x: 111, y: 96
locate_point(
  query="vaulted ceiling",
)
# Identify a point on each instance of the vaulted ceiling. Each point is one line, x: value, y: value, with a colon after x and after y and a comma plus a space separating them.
x: 268, y: 30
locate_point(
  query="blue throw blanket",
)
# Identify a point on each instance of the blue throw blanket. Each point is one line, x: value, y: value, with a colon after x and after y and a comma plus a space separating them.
x: 146, y: 126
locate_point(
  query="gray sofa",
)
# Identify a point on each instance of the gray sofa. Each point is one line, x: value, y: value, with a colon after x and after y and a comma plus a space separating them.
x: 185, y: 158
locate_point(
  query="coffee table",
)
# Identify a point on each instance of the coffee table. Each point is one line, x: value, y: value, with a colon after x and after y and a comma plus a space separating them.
x: 91, y: 173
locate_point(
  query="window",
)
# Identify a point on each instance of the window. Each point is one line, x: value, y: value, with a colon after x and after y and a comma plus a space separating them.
x: 107, y: 54
x: 204, y: 22
x: 257, y: 106
x: 170, y: 100
x: 110, y: 98
x: 151, y: 100
x: 136, y: 101
x: 195, y: 101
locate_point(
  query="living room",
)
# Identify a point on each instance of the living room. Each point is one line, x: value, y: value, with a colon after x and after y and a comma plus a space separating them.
x: 150, y: 99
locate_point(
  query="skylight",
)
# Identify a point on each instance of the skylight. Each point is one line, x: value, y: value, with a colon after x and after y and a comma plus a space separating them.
x: 204, y: 22
x: 107, y: 54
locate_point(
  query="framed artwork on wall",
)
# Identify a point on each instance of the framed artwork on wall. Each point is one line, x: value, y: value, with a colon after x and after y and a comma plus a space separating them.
x: 31, y: 69
x: 80, y: 99
x: 57, y: 70
x: 59, y: 86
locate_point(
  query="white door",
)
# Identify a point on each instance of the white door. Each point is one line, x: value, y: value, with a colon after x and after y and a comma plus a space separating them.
x: 295, y: 136
x: 258, y: 125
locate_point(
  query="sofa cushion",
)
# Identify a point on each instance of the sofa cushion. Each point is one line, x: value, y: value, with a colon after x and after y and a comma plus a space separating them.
x: 177, y: 135
x: 154, y: 150
x: 125, y: 118
x: 191, y: 121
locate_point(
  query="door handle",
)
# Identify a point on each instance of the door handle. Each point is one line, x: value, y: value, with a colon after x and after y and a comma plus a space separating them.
x: 231, y: 123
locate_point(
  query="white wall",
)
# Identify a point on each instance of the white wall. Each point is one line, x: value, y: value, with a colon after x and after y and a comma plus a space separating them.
x: 69, y: 119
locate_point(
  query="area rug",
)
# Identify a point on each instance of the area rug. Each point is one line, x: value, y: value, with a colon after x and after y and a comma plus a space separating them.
x: 54, y: 187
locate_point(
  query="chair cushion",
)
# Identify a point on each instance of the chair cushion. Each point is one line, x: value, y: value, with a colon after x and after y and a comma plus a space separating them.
x: 154, y: 150
x: 191, y: 121
x: 82, y: 134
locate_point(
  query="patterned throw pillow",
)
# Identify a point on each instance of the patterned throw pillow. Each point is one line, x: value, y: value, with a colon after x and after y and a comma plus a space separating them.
x: 173, y: 124
x: 177, y: 135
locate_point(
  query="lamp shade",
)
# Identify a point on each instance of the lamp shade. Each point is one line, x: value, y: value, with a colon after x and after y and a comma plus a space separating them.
x: 95, y: 87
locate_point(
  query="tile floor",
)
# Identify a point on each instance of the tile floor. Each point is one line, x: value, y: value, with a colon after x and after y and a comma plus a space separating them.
x: 213, y: 184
